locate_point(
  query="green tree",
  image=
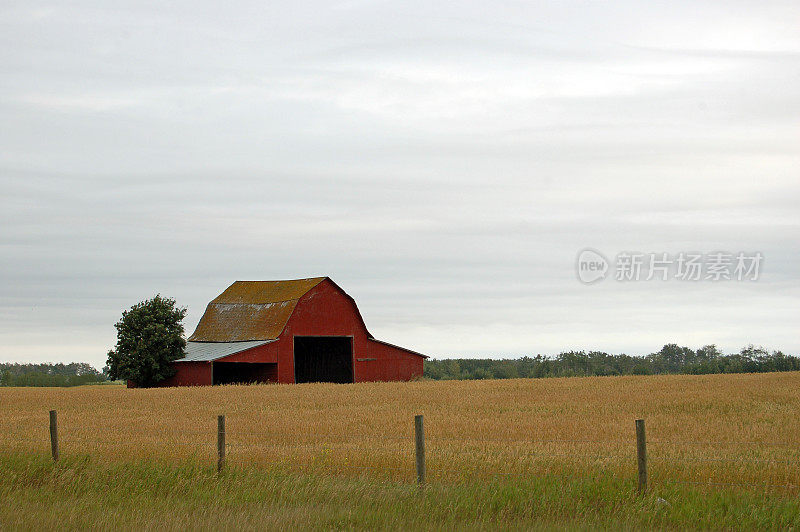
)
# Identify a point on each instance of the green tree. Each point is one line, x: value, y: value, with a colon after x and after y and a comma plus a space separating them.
x: 708, y: 352
x: 149, y: 338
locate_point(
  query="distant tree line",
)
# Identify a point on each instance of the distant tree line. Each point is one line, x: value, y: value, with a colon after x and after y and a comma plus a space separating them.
x: 671, y: 359
x: 73, y: 374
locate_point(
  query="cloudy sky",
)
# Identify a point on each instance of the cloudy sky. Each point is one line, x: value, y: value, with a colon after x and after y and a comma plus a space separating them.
x: 443, y: 163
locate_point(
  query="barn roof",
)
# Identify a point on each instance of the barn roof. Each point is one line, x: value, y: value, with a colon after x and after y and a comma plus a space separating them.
x: 209, y: 351
x: 251, y: 310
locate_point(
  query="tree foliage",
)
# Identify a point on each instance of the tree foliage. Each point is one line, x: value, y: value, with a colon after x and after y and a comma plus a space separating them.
x: 73, y: 368
x: 149, y: 338
x: 671, y: 359
x: 72, y: 374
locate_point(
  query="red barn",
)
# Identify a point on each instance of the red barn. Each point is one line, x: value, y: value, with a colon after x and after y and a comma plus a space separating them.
x: 306, y: 330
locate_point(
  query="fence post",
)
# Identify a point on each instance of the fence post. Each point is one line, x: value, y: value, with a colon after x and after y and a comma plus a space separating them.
x: 419, y: 436
x: 220, y: 443
x: 54, y: 435
x: 641, y: 455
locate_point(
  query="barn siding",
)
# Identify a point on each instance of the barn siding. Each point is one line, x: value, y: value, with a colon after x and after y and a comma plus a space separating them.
x: 190, y: 374
x: 261, y: 353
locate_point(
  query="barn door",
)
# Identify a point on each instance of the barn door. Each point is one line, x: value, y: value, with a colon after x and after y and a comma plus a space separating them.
x: 323, y: 359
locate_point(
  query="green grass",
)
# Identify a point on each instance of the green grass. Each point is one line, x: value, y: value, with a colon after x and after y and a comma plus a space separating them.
x: 81, y: 492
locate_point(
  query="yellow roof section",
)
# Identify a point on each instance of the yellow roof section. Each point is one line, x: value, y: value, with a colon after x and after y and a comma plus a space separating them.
x: 251, y: 310
x: 261, y: 292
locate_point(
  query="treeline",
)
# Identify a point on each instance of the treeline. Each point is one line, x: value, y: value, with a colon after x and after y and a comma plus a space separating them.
x: 73, y: 374
x: 671, y: 359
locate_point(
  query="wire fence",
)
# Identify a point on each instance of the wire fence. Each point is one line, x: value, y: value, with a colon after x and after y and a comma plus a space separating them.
x: 405, y: 458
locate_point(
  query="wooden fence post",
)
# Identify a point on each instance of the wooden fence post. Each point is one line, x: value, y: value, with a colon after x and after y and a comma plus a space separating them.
x: 641, y: 455
x: 220, y: 443
x: 54, y: 435
x: 419, y: 433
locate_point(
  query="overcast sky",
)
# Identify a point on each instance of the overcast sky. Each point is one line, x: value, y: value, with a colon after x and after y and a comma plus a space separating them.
x: 443, y: 163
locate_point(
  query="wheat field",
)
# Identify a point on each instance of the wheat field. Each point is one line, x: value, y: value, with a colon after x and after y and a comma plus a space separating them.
x: 716, y: 428
x: 707, y: 435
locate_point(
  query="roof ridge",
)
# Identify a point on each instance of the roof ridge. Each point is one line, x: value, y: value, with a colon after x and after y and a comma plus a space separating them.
x: 267, y: 303
x: 280, y: 280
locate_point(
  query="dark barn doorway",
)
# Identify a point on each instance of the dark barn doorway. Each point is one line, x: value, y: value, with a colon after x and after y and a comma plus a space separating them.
x: 323, y: 359
x: 244, y: 372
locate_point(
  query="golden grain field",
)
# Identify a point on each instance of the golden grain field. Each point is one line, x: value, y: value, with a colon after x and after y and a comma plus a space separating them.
x: 711, y: 430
